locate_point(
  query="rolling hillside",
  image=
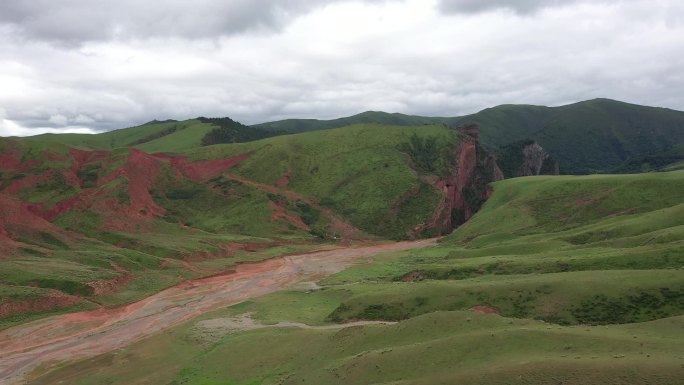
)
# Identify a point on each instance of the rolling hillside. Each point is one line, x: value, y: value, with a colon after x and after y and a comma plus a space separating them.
x: 572, y: 280
x: 83, y: 228
x: 592, y: 136
x: 376, y: 117
x: 599, y: 135
x: 167, y: 136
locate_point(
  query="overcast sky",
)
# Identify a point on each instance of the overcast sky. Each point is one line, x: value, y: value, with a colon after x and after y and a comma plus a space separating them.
x: 86, y: 66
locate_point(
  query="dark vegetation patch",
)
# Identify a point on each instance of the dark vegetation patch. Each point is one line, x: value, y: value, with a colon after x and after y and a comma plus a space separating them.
x: 89, y: 175
x: 229, y: 131
x: 32, y: 252
x: 642, y: 305
x: 549, y: 301
x: 227, y: 186
x: 52, y: 240
x: 309, y: 214
x: 429, y: 154
x: 671, y: 259
x: 183, y: 193
x: 64, y: 285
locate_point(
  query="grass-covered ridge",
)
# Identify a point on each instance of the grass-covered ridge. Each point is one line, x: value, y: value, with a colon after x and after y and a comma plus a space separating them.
x: 368, y: 117
x: 586, y: 137
x: 583, y: 277
x: 598, y: 135
x: 116, y: 225
x: 362, y: 172
x: 609, y: 249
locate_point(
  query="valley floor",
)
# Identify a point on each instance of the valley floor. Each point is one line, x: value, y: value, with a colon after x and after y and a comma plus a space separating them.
x: 78, y: 335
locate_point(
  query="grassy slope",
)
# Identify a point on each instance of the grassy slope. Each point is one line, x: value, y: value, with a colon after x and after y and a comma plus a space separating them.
x: 573, y: 251
x: 578, y: 231
x: 201, y: 220
x: 357, y: 171
x: 151, y: 137
x: 590, y: 136
x: 178, y: 136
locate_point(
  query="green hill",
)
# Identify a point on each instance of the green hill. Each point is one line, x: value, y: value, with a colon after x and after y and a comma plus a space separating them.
x: 357, y: 171
x: 568, y: 279
x: 669, y: 160
x: 592, y: 136
x: 572, y: 280
x: 79, y: 219
x: 376, y: 117
x: 168, y: 136
x: 599, y: 135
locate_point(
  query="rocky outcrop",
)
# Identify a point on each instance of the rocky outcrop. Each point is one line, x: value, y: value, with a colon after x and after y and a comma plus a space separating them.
x: 526, y: 158
x: 533, y: 159
x: 467, y: 187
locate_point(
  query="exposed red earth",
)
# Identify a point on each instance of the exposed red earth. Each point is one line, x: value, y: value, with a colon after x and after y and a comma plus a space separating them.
x: 201, y: 170
x: 53, y: 300
x: 20, y: 215
x: 79, y: 335
x: 139, y: 170
x: 464, y: 179
x: 482, y: 309
x: 284, y: 180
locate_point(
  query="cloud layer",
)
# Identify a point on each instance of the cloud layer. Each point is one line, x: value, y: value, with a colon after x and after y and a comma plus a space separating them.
x: 77, y: 21
x: 80, y: 65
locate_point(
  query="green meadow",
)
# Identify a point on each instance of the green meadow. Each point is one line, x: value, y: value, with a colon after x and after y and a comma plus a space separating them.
x: 583, y: 277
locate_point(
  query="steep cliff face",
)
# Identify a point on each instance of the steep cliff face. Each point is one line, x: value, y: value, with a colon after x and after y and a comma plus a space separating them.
x: 467, y: 187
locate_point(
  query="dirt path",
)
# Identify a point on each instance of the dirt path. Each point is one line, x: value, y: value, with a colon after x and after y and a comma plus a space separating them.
x: 78, y: 335
x: 213, y: 329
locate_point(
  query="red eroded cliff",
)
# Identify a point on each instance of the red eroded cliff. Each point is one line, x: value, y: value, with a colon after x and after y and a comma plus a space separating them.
x: 467, y: 187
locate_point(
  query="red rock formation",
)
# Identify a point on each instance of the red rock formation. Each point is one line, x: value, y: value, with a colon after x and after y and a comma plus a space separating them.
x: 468, y: 185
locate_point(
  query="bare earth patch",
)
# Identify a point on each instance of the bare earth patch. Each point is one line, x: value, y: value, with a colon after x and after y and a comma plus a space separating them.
x: 85, y: 334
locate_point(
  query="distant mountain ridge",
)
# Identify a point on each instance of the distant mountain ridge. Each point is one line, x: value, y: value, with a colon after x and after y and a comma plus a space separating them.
x: 379, y: 117
x: 593, y: 136
x: 586, y: 137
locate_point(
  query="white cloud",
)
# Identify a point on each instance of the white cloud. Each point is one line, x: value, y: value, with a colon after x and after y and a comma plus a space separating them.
x: 10, y: 128
x: 77, y: 21
x: 344, y: 57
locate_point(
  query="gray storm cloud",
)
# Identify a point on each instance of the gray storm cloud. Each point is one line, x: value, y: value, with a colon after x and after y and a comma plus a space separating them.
x: 518, y: 6
x: 82, y: 65
x: 76, y: 21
